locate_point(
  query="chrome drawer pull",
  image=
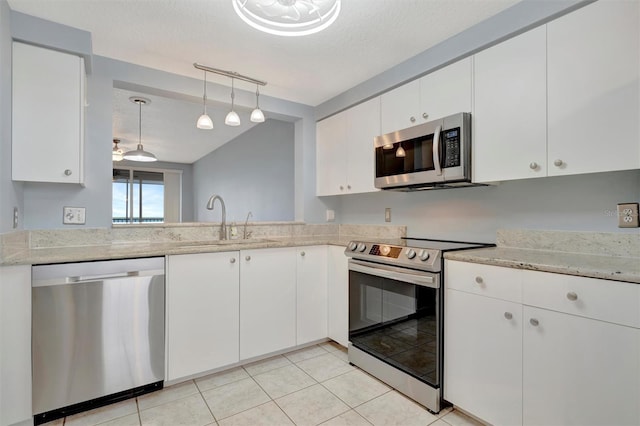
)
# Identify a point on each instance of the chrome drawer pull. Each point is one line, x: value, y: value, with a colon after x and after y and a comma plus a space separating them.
x: 572, y: 296
x: 534, y: 322
x: 508, y: 315
x: 479, y: 280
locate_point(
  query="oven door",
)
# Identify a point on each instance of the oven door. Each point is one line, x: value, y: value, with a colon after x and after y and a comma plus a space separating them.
x: 394, y: 315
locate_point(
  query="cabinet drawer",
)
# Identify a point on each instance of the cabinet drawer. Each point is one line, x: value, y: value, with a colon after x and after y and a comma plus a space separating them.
x: 487, y: 280
x: 605, y: 300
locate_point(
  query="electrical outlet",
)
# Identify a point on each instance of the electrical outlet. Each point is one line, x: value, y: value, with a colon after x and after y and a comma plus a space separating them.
x: 628, y: 215
x: 73, y: 215
x: 15, y: 217
x: 387, y: 214
x: 331, y: 215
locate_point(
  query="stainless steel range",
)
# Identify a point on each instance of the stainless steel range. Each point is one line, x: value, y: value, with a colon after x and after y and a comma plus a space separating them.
x: 396, y: 313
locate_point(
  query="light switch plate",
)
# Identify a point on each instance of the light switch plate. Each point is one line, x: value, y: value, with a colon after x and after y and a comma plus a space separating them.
x: 331, y: 215
x: 73, y: 215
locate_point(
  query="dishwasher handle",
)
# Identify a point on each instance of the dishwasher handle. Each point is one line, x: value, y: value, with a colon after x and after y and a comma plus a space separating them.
x: 82, y: 278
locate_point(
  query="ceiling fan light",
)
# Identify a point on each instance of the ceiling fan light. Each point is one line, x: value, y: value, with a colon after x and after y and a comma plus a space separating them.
x: 139, y: 154
x: 204, y: 122
x: 116, y: 153
x: 232, y: 119
x: 257, y: 116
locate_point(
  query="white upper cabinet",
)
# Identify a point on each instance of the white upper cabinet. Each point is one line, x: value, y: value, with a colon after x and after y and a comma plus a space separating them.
x: 438, y: 94
x: 344, y: 150
x: 593, y: 57
x: 400, y: 107
x: 509, y: 116
x: 47, y: 115
x: 446, y: 91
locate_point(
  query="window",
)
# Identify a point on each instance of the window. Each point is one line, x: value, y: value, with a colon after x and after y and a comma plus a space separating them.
x: 138, y: 196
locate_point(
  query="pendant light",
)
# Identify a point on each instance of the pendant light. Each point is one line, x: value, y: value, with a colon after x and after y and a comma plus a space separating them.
x: 400, y: 153
x: 139, y: 154
x: 116, y: 153
x: 204, y: 121
x: 232, y: 118
x: 257, y: 116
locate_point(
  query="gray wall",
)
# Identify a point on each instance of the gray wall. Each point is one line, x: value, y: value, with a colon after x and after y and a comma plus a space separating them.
x: 187, y: 181
x: 579, y: 203
x: 10, y: 192
x: 254, y: 172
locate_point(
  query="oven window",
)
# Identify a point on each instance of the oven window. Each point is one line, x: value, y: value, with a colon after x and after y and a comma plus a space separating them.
x: 418, y: 157
x: 396, y: 322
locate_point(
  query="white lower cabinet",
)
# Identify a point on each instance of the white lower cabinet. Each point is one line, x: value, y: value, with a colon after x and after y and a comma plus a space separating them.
x: 203, y: 312
x: 338, y: 295
x: 568, y: 353
x: 311, y: 294
x: 483, y: 356
x: 267, y: 301
x: 15, y: 345
x: 579, y: 371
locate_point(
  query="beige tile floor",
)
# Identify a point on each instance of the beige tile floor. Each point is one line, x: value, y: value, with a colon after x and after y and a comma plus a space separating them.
x: 311, y: 386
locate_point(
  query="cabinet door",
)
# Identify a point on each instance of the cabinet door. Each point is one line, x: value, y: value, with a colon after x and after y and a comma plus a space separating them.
x: 311, y: 295
x: 47, y: 89
x: 593, y: 56
x: 267, y: 301
x: 400, y: 107
x: 579, y: 371
x: 338, y: 295
x: 202, y: 312
x: 15, y: 345
x: 331, y: 155
x: 446, y: 91
x: 509, y: 116
x: 363, y: 124
x: 483, y: 357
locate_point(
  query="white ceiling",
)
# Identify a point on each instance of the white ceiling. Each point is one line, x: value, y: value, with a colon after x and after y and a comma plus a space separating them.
x: 369, y: 37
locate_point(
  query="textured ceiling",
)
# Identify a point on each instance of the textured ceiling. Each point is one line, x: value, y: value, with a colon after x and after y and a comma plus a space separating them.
x: 368, y: 37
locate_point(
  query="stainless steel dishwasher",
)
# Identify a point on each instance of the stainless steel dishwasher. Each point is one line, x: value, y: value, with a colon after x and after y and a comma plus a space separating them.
x: 97, y: 334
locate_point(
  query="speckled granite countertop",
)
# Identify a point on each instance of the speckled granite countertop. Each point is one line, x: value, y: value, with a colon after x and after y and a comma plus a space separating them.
x: 595, y: 255
x: 131, y: 250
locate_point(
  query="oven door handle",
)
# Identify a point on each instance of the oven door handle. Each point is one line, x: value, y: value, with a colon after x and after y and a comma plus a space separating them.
x: 392, y: 273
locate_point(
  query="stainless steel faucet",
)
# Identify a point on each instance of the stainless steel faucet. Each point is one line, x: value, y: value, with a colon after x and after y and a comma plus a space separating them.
x: 223, y: 223
x: 246, y: 235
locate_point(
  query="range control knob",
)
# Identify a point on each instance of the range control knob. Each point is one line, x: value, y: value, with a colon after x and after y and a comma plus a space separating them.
x: 353, y: 246
x: 362, y: 247
x: 385, y: 250
x: 411, y: 253
x: 424, y: 255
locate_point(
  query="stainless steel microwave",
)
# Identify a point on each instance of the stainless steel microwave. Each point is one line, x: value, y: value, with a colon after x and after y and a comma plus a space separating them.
x: 436, y: 154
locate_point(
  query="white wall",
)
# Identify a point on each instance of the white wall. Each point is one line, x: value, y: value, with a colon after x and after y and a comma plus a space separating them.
x: 252, y: 173
x: 580, y: 203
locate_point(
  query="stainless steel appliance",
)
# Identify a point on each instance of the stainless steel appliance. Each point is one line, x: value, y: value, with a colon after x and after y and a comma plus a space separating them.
x: 432, y: 155
x: 98, y: 334
x: 396, y: 305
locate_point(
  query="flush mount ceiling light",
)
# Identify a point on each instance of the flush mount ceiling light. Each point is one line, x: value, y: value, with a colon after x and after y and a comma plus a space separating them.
x: 116, y: 153
x: 232, y: 118
x: 204, y: 121
x: 139, y: 154
x: 288, y: 17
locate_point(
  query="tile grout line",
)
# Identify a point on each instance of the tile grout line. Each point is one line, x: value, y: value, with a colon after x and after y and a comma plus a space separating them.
x: 205, y: 401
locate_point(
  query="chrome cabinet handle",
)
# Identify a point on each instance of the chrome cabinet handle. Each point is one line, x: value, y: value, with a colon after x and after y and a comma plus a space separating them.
x: 534, y: 322
x: 232, y: 260
x: 247, y: 258
x: 412, y: 119
x: 572, y: 296
x: 67, y: 172
x: 302, y: 253
x: 348, y: 186
x: 341, y: 188
x: 479, y: 280
x: 533, y: 165
x: 558, y: 163
x: 425, y: 115
x: 508, y: 315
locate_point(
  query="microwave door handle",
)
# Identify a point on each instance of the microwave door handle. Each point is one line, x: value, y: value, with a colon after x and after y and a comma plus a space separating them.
x: 436, y: 151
